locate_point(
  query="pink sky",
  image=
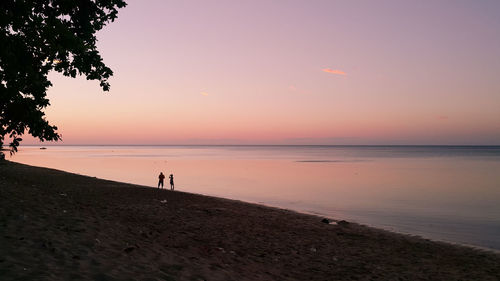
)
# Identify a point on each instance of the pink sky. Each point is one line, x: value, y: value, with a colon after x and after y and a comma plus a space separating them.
x: 290, y: 72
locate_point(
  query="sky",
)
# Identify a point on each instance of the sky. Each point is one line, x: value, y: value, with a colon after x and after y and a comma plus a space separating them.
x: 290, y: 72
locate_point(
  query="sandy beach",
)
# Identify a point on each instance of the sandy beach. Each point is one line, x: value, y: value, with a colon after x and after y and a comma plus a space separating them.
x: 60, y: 226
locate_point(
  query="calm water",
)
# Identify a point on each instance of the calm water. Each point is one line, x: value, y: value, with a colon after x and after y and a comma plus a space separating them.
x: 443, y: 193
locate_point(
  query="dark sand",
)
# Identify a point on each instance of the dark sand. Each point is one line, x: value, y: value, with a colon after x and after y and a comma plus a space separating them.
x: 60, y: 226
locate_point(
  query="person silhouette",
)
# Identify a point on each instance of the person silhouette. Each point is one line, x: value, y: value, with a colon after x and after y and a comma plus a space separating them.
x: 161, y: 177
x: 171, y: 177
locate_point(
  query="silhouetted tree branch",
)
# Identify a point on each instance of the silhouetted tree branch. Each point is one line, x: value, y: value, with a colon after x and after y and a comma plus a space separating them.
x: 36, y: 37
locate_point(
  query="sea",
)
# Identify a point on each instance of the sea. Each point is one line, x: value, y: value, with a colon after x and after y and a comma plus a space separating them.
x: 444, y: 193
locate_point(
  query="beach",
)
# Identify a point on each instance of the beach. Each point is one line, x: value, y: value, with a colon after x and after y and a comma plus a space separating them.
x: 61, y: 226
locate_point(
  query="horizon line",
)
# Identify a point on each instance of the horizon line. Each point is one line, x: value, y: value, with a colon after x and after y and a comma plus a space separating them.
x: 450, y: 145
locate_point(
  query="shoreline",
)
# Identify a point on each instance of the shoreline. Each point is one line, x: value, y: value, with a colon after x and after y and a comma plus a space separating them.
x: 57, y: 225
x: 393, y: 230
x: 489, y: 243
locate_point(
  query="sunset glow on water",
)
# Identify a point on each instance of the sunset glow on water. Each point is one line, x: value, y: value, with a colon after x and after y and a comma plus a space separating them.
x: 444, y: 193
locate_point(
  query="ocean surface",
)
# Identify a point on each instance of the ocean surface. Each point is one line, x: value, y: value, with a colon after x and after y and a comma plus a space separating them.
x: 447, y: 193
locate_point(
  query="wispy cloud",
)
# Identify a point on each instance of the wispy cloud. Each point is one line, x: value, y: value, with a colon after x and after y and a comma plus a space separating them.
x: 334, y: 71
x: 293, y: 88
x: 204, y: 93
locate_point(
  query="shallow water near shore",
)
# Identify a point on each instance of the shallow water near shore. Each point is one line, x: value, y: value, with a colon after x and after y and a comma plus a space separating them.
x: 439, y: 192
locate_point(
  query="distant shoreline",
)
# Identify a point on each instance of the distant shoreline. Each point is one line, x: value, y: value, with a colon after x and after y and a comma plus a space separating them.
x: 82, y: 226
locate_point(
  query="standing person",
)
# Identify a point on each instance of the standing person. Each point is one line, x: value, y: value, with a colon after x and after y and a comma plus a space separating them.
x: 161, y: 177
x: 171, y: 177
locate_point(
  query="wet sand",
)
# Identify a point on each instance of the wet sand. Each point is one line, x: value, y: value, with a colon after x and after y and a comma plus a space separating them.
x: 61, y: 226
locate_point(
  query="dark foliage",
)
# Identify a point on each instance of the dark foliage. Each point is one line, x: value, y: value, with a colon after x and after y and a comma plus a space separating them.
x: 36, y: 37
